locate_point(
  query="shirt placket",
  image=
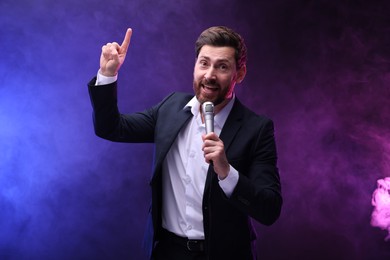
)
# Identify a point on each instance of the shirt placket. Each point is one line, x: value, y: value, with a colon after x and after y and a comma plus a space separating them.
x: 193, y: 180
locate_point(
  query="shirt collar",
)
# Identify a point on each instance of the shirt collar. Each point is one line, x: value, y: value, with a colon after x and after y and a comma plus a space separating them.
x: 220, y: 118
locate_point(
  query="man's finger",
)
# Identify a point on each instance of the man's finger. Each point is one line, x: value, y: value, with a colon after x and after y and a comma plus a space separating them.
x: 126, y: 41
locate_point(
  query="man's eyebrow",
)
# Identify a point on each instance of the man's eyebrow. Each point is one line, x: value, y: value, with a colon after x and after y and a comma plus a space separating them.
x: 217, y: 60
x: 204, y: 57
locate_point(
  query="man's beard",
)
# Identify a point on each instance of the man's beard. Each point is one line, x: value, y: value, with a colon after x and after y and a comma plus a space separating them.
x: 198, y: 88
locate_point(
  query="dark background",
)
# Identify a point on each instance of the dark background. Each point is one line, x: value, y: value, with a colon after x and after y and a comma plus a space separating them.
x: 319, y: 69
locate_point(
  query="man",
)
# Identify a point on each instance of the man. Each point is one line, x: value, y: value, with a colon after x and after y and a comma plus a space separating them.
x: 206, y: 188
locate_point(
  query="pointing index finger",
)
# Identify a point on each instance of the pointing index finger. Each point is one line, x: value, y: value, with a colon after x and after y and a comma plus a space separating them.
x: 126, y: 40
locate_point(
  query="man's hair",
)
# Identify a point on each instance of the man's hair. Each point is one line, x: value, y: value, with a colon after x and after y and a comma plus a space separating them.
x: 221, y: 36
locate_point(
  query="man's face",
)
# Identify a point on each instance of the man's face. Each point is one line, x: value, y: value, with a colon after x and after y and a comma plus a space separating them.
x: 215, y: 74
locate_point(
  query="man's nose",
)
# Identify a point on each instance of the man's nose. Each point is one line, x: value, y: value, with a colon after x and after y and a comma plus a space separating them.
x: 210, y: 74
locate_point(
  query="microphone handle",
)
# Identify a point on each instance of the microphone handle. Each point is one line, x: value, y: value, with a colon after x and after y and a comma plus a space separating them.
x: 209, y: 123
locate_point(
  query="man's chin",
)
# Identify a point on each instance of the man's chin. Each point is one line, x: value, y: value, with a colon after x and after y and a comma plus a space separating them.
x: 216, y: 102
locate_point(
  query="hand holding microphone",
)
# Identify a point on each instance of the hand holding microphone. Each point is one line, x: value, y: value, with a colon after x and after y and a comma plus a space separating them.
x: 213, y: 146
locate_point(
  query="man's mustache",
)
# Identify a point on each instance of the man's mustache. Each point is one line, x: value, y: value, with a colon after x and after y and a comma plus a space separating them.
x: 211, y: 83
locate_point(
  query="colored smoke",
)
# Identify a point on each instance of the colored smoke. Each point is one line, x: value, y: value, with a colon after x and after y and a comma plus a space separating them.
x: 319, y: 68
x: 381, y: 201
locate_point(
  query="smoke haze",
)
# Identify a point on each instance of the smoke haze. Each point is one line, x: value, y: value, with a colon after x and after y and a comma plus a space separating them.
x: 319, y: 69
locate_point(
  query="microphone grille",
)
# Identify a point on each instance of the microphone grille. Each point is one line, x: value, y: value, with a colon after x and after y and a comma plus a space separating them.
x: 208, y: 107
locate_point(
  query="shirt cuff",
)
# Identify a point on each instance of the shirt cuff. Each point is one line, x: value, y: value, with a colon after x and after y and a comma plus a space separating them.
x: 230, y: 182
x: 103, y: 80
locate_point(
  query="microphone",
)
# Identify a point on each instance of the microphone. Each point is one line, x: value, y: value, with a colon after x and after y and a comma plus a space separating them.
x: 208, y: 112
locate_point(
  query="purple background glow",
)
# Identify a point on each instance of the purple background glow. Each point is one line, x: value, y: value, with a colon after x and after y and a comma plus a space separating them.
x: 320, y: 69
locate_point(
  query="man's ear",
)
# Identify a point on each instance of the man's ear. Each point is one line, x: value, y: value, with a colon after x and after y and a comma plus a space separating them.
x: 241, y: 74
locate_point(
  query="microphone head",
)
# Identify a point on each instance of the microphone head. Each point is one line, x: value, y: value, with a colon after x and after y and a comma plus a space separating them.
x: 208, y: 107
x: 208, y: 111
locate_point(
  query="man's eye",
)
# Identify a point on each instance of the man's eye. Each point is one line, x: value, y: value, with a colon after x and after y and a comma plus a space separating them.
x: 223, y: 67
x: 203, y: 63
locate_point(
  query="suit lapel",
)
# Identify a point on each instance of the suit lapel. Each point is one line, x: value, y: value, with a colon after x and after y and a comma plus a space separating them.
x: 170, y: 132
x: 174, y: 128
x: 232, y: 125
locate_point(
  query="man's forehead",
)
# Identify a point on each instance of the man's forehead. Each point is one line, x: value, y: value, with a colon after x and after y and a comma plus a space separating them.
x: 217, y: 53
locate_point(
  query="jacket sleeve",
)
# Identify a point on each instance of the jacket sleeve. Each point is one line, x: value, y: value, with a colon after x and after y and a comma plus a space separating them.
x: 258, y: 191
x: 110, y: 124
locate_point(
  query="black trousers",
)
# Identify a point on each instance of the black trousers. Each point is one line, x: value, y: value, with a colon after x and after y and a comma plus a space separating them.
x: 172, y: 247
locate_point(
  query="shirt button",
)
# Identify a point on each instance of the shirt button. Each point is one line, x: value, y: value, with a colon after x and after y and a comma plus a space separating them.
x: 187, y: 179
x: 189, y: 227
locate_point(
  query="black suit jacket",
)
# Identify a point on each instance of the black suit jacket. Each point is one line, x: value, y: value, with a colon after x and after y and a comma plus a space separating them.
x: 250, y: 148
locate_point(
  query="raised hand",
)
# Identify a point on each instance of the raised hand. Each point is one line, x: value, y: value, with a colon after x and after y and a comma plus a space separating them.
x: 113, y: 55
